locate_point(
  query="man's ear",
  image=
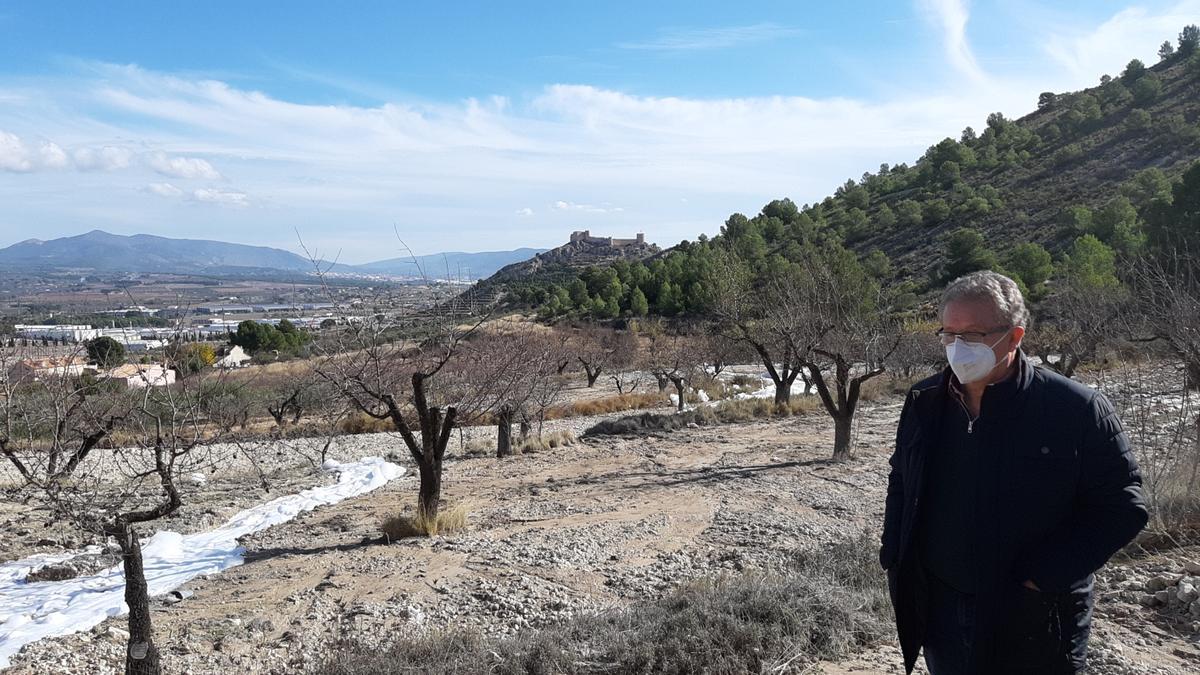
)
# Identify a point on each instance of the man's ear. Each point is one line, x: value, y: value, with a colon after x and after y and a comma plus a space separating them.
x: 1018, y: 333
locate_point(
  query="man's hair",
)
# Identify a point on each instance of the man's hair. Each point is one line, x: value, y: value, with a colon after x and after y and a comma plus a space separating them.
x: 995, y: 288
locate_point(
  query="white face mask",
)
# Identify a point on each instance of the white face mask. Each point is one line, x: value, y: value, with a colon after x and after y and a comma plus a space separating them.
x: 972, y: 361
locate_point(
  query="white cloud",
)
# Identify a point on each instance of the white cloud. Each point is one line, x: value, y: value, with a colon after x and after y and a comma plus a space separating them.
x: 585, y: 208
x: 52, y: 156
x: 1134, y: 32
x: 182, y: 167
x: 951, y: 18
x: 222, y: 197
x: 525, y: 212
x: 164, y: 190
x: 19, y: 156
x: 697, y: 39
x: 106, y: 158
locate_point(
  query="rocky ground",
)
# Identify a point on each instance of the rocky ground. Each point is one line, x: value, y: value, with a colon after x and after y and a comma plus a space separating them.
x: 595, y: 525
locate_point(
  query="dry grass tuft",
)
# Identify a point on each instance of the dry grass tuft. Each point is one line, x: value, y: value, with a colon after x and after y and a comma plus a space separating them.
x: 885, y: 386
x: 362, y: 423
x: 418, y: 524
x: 548, y: 441
x: 745, y: 410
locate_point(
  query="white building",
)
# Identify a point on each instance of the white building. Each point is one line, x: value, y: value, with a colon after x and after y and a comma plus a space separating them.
x: 236, y: 358
x: 141, y: 375
x: 37, y: 369
x: 75, y: 333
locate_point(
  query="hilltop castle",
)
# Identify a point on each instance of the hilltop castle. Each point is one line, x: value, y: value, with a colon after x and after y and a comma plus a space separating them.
x: 585, y: 236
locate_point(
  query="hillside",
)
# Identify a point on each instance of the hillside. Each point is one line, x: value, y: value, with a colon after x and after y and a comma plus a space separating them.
x: 1076, y: 149
x: 1092, y: 162
x: 566, y: 261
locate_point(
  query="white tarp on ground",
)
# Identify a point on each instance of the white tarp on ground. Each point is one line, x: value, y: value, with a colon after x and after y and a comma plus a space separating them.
x: 33, y: 611
x: 768, y: 389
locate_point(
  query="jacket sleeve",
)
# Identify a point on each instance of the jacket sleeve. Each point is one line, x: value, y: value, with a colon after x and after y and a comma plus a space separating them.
x: 893, y: 513
x: 1109, y: 510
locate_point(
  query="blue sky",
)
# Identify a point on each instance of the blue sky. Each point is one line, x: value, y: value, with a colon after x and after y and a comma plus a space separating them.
x: 484, y: 126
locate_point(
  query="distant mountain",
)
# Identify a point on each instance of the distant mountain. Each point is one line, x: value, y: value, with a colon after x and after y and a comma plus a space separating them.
x: 99, y: 250
x: 141, y: 253
x: 456, y: 265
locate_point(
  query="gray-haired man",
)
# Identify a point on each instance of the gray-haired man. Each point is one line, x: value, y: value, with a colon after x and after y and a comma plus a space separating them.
x: 1010, y: 485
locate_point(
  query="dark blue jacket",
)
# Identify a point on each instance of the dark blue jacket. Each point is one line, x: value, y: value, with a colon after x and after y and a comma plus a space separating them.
x: 1059, y: 493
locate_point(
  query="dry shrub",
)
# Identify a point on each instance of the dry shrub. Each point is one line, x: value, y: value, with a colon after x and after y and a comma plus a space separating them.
x: 362, y: 423
x: 885, y: 386
x: 821, y: 605
x: 548, y: 441
x: 725, y: 412
x: 746, y: 410
x: 52, y: 573
x: 715, y: 389
x: 608, y: 404
x: 746, y: 381
x: 418, y: 524
x: 478, y: 447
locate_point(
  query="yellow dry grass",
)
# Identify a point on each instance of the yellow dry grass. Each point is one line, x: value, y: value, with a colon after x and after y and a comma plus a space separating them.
x: 419, y: 524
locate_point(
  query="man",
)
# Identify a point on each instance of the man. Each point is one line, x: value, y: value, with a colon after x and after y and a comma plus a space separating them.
x: 1010, y: 485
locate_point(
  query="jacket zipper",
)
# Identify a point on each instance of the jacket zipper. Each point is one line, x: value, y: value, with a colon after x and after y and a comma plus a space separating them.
x: 970, y: 420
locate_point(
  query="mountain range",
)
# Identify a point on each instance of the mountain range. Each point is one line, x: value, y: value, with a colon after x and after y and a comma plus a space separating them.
x: 144, y: 253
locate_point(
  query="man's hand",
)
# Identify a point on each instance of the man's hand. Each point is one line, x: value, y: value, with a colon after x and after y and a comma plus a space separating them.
x: 1028, y: 583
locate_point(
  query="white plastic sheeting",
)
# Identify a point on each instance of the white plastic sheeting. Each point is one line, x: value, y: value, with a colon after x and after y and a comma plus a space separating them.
x: 33, y: 611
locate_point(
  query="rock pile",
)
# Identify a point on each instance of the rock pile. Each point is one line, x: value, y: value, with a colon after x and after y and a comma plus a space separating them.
x: 1177, y: 592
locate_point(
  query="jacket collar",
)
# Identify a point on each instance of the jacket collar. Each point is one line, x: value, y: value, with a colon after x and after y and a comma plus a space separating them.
x: 929, y: 397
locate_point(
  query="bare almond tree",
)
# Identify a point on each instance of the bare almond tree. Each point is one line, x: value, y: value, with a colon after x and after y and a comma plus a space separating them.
x: 718, y: 351
x: 1168, y: 293
x: 676, y: 356
x: 53, y: 426
x: 498, y: 375
x: 761, y: 317
x: 391, y: 368
x: 627, y: 362
x: 917, y: 350
x: 1075, y: 322
x: 594, y: 349
x: 396, y: 366
x: 849, y: 335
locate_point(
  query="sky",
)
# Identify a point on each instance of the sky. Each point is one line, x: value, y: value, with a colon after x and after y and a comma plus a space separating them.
x: 481, y: 126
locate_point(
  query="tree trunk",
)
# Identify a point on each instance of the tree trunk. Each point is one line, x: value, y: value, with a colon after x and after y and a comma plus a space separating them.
x: 841, y: 437
x: 662, y: 383
x: 592, y: 376
x: 681, y: 390
x: 1193, y: 375
x: 504, y: 422
x: 526, y: 428
x: 783, y: 392
x: 141, y: 655
x: 430, y: 495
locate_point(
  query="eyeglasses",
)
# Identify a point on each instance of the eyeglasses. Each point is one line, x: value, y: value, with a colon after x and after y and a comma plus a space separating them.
x: 948, y: 338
